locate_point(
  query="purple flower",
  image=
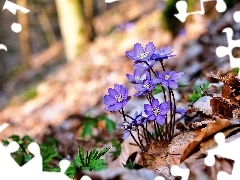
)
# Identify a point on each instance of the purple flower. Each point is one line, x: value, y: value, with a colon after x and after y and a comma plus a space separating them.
x: 142, y: 66
x: 145, y: 87
x: 138, y: 77
x: 128, y: 127
x: 163, y: 53
x: 169, y: 79
x: 117, y: 98
x: 181, y: 111
x: 139, y: 119
x: 139, y: 54
x: 156, y: 111
x: 126, y: 134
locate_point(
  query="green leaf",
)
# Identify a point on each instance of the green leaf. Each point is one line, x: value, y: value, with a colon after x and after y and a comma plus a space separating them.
x: 157, y: 89
x: 49, y: 141
x: 236, y: 70
x: 81, y: 156
x: 86, y: 160
x: 205, y: 86
x: 98, y: 164
x: 27, y: 138
x: 86, y: 168
x: 130, y: 164
x: 93, y: 154
x: 88, y: 125
x: 182, y: 85
x: 118, y: 148
x: 48, y: 153
x: 19, y: 158
x: 71, y: 171
x: 49, y: 168
x: 27, y: 157
x: 5, y: 142
x: 110, y: 125
x: 194, y: 97
x: 198, y: 89
x: 77, y: 162
x: 15, y: 138
x: 102, y: 152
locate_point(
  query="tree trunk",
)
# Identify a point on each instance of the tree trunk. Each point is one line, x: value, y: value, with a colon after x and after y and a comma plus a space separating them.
x: 24, y: 36
x: 89, y: 14
x: 72, y: 26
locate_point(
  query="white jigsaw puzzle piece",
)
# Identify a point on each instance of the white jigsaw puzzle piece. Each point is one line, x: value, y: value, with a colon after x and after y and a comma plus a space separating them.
x: 181, y: 6
x: 180, y: 170
x: 226, y: 150
x: 222, y: 51
x: 2, y: 46
x: 236, y: 16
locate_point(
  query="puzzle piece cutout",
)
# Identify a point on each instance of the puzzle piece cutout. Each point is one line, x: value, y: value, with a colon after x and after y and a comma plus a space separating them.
x: 222, y: 51
x: 16, y: 27
x: 30, y: 170
x: 180, y: 170
x: 3, y: 126
x: 236, y: 16
x: 181, y: 6
x: 12, y: 7
x: 226, y: 150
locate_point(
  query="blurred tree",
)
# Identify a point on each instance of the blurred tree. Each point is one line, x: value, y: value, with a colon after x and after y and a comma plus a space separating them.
x: 73, y: 27
x: 89, y: 14
x: 24, y: 35
x: 3, y: 36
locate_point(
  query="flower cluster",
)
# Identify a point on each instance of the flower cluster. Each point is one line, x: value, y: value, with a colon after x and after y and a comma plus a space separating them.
x: 145, y: 80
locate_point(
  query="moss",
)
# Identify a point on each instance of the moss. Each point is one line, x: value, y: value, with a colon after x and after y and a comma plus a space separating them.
x: 29, y: 93
x: 15, y: 71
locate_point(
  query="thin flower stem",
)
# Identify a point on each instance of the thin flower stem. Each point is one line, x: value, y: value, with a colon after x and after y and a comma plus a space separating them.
x: 145, y: 137
x: 164, y: 94
x: 139, y: 138
x: 142, y: 148
x: 151, y: 68
x: 151, y: 97
x: 146, y: 129
x: 156, y: 130
x: 174, y: 110
x: 171, y: 116
x: 149, y: 100
x: 125, y: 115
x: 161, y: 61
x: 160, y: 133
x: 164, y: 91
x: 150, y: 136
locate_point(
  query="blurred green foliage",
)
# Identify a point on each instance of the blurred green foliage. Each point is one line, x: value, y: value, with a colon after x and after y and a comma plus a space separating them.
x: 118, y: 149
x: 90, y: 123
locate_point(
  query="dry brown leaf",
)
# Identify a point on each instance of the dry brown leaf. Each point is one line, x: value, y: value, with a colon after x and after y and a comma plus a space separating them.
x: 196, y: 165
x: 210, y: 143
x: 161, y: 156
